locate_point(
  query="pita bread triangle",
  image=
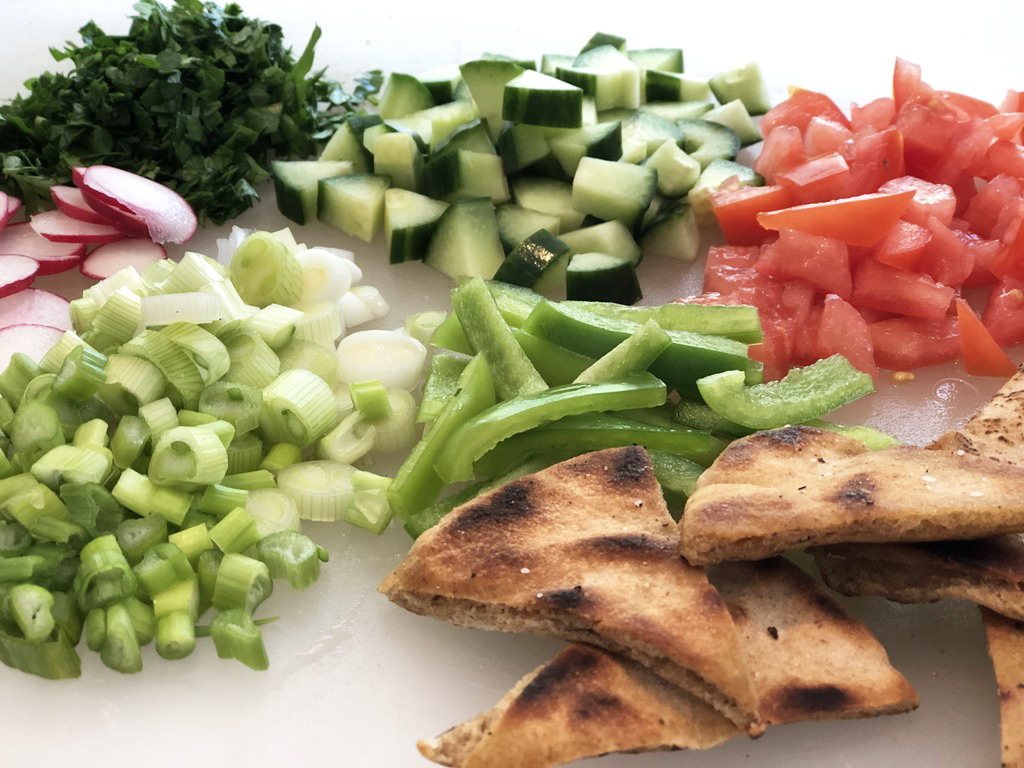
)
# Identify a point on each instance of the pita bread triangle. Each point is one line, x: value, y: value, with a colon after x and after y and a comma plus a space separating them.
x: 1006, y: 648
x: 585, y: 551
x: 808, y: 659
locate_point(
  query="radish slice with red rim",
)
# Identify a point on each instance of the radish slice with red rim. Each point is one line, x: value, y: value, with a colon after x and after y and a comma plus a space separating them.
x: 71, y: 201
x: 16, y: 273
x: 58, y: 227
x: 168, y: 216
x: 37, y: 307
x: 124, y: 220
x: 28, y: 338
x: 8, y: 207
x: 107, y: 259
x: 22, y: 240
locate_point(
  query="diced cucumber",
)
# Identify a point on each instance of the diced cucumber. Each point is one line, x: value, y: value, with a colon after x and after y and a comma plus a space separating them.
x: 486, y: 79
x: 516, y: 223
x: 712, y: 177
x: 650, y: 131
x: 346, y: 143
x: 705, y: 141
x: 594, y: 276
x: 603, y: 141
x: 461, y: 174
x: 398, y: 155
x: 371, y: 134
x: 677, y: 171
x: 599, y: 39
x: 677, y: 110
x: 403, y: 94
x: 535, y: 256
x: 550, y: 62
x: 674, y: 233
x: 473, y: 136
x: 354, y: 204
x: 611, y: 237
x: 521, y: 145
x: 745, y: 83
x: 659, y: 59
x: 410, y: 220
x: 734, y: 115
x: 613, y: 190
x: 550, y: 196
x: 295, y: 184
x: 442, y: 82
x: 675, y: 86
x: 539, y: 99
x: 603, y: 85
x: 466, y: 241
x: 435, y: 124
x: 524, y: 63
x: 609, y: 58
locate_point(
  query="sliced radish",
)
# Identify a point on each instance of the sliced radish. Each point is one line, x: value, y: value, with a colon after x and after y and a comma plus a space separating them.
x: 36, y: 307
x: 71, y: 201
x: 33, y: 340
x: 22, y: 240
x: 168, y: 216
x: 113, y: 257
x: 16, y: 273
x: 58, y: 227
x: 13, y: 206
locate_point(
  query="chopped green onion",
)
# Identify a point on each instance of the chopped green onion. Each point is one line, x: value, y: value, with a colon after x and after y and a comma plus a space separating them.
x: 144, y: 497
x: 321, y: 360
x: 321, y: 489
x: 321, y: 323
x: 242, y: 582
x: 35, y: 430
x: 191, y: 273
x: 184, y: 378
x: 219, y: 499
x: 188, y: 456
x: 53, y: 659
x: 370, y: 398
x: 137, y: 535
x: 206, y: 572
x: 251, y: 480
x: 72, y: 464
x: 421, y: 325
x: 196, y: 307
x: 131, y: 382
x: 265, y: 272
x: 104, y: 575
x: 298, y: 407
x: 163, y: 566
x: 293, y: 556
x: 236, y: 636
x: 175, y: 635
x: 349, y: 441
x: 275, y: 323
x: 192, y: 541
x: 15, y: 539
x: 370, y: 508
x: 52, y: 360
x: 272, y: 510
x: 253, y: 362
x: 398, y: 430
x: 235, y: 532
x: 160, y: 416
x: 234, y: 402
x: 182, y: 596
x: 205, y: 350
x: 120, y: 316
x: 29, y: 605
x: 19, y: 372
x: 391, y: 356
x: 281, y: 455
x: 92, y: 434
x: 129, y: 441
x: 120, y: 650
x: 233, y: 310
x: 245, y: 453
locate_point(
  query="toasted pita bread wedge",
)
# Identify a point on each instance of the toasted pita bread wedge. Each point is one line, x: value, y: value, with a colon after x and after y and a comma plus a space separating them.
x: 809, y: 659
x: 1006, y: 649
x: 583, y: 703
x: 996, y: 431
x: 585, y: 551
x: 800, y: 486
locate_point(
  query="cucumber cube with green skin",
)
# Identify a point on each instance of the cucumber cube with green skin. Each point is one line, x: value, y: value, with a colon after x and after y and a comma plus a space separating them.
x: 402, y: 95
x: 473, y: 135
x: 397, y: 155
x: 296, y: 185
x: 675, y: 86
x: 658, y: 59
x: 462, y: 174
x: 734, y: 115
x: 442, y: 82
x: 712, y: 177
x: 677, y: 171
x: 603, y: 140
x: 602, y: 277
x: 486, y: 79
x: 611, y: 237
x: 347, y: 142
x: 745, y: 83
x: 613, y: 190
x: 550, y: 62
x: 600, y: 39
x: 679, y: 110
x: 532, y: 258
x: 673, y: 234
x: 704, y: 140
x: 516, y: 223
x: 410, y: 220
x: 354, y: 204
x: 539, y: 99
x: 466, y: 241
x: 609, y: 58
x: 435, y: 124
x: 550, y: 196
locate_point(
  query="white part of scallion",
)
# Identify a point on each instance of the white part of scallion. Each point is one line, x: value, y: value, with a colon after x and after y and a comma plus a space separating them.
x: 362, y: 304
x: 273, y: 510
x: 349, y: 262
x: 195, y: 307
x: 321, y: 489
x: 391, y: 356
x: 352, y: 439
x: 324, y: 276
x: 398, y: 431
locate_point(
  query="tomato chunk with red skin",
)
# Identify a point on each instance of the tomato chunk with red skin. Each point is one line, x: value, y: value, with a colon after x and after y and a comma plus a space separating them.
x: 900, y: 291
x: 1007, y: 157
x: 984, y: 210
x: 903, y: 246
x: 947, y: 259
x: 843, y: 331
x: 817, y: 179
x: 982, y: 354
x: 736, y: 211
x: 907, y: 343
x: 782, y: 150
x: 824, y: 262
x: 929, y: 200
x: 1004, y: 312
x: 798, y: 110
x: 824, y: 135
x: 874, y: 158
x: 873, y: 116
x: 859, y: 220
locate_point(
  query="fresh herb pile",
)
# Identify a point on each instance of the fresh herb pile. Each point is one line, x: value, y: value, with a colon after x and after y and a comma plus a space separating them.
x: 196, y: 96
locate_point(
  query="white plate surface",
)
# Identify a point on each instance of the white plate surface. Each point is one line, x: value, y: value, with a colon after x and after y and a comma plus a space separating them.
x: 355, y: 681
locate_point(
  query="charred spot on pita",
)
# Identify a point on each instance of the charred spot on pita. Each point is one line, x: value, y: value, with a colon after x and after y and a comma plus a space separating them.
x: 563, y: 599
x: 813, y: 699
x: 858, y: 491
x: 508, y: 505
x: 631, y: 466
x: 574, y: 661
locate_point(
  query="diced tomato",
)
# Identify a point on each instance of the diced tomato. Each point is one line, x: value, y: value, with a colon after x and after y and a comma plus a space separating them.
x: 1006, y: 157
x: 798, y: 110
x: 773, y: 352
x: 903, y: 246
x: 781, y: 150
x: 969, y: 105
x: 900, y: 291
x: 906, y: 343
x: 983, y: 211
x: 1004, y: 312
x: 1012, y: 102
x: 824, y: 135
x: 1010, y: 261
x: 736, y: 211
x: 843, y: 331
x: 873, y: 116
x: 984, y: 254
x: 859, y: 220
x: 966, y: 155
x: 1007, y: 125
x: 874, y: 158
x: 725, y: 261
x: 946, y: 258
x: 929, y: 200
x: 928, y: 133
x: 907, y: 86
x: 805, y: 337
x: 982, y: 354
x: 817, y: 179
x: 823, y: 262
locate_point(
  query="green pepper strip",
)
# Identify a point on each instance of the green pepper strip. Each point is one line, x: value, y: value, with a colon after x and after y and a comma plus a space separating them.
x: 805, y: 393
x: 510, y: 417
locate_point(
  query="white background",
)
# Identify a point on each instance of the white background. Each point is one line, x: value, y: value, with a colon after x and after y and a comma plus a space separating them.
x: 355, y: 681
